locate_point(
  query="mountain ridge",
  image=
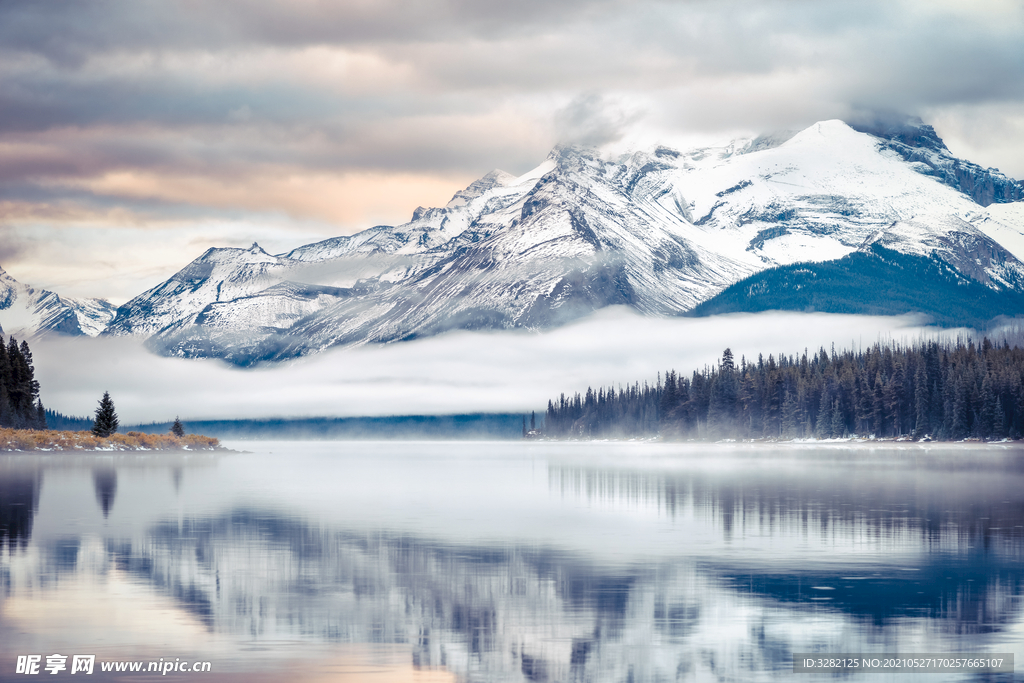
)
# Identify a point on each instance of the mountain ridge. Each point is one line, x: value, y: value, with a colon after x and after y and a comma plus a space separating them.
x: 28, y: 311
x: 658, y: 230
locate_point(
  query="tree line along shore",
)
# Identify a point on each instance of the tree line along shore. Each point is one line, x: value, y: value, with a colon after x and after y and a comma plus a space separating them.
x: 23, y: 419
x: 926, y: 390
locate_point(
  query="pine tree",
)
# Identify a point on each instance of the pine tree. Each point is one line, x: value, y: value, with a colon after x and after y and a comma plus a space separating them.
x: 823, y: 426
x: 999, y: 423
x: 837, y: 425
x: 106, y: 419
x: 922, y: 425
x: 31, y: 384
x: 959, y: 425
x: 40, y: 415
x: 178, y: 429
x: 16, y: 383
x: 6, y: 410
x: 989, y: 408
x: 722, y: 397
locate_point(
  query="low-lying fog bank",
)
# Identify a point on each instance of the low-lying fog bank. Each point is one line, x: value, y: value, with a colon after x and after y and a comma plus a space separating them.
x: 461, y: 372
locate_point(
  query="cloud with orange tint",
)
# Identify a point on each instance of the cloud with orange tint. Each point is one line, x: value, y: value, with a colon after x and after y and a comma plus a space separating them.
x: 343, y: 199
x: 309, y: 119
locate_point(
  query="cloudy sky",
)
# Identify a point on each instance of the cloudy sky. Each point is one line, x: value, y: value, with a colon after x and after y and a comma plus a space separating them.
x: 135, y: 134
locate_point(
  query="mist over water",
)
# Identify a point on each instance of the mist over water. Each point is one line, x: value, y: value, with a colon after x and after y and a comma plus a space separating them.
x: 460, y: 372
x: 513, y: 561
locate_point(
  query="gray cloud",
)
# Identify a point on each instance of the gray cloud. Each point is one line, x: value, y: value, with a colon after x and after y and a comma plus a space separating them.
x: 237, y: 89
x: 12, y: 245
x: 737, y: 62
x: 68, y: 32
x: 932, y: 55
x: 592, y: 120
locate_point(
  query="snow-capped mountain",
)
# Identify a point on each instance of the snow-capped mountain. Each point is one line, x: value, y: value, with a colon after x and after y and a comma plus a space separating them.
x: 918, y: 144
x: 27, y: 311
x: 658, y: 230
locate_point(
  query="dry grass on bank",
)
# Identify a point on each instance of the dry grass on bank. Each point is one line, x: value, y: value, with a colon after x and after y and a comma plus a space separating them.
x: 52, y: 440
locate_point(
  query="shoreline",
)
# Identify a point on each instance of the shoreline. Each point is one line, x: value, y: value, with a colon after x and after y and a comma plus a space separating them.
x: 56, y: 441
x: 812, y: 443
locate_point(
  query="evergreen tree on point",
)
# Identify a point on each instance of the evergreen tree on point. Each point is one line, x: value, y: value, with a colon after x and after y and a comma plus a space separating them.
x: 106, y: 419
x: 177, y: 428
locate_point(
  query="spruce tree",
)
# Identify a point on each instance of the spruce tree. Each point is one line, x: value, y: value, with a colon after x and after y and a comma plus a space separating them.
x: 922, y: 424
x: 724, y: 391
x: 989, y: 407
x: 823, y: 425
x: 837, y: 426
x: 106, y: 419
x: 999, y: 423
x: 177, y: 428
x: 6, y: 410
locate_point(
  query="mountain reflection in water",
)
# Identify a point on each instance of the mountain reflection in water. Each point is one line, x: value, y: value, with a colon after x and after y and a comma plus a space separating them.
x: 545, y: 562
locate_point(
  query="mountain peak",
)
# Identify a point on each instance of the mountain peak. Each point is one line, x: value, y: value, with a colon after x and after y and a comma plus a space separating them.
x: 496, y: 178
x: 918, y: 143
x: 769, y: 141
x: 254, y: 254
x: 908, y: 130
x: 563, y: 151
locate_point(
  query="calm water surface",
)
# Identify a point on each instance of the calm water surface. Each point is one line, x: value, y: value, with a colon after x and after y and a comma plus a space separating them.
x: 313, y: 561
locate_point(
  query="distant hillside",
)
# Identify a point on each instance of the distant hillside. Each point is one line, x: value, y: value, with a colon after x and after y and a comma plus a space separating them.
x: 878, y: 281
x: 67, y: 423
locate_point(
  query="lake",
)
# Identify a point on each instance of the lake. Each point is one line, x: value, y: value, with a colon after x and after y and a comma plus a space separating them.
x: 510, y: 561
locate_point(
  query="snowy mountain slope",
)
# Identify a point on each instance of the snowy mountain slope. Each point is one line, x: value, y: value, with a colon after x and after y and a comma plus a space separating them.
x: 544, y: 249
x: 918, y: 144
x: 1004, y: 224
x: 830, y: 190
x: 93, y: 314
x: 659, y: 230
x: 27, y: 311
x: 218, y: 275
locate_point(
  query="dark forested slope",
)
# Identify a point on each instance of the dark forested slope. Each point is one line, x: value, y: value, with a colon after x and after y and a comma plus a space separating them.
x: 876, y: 281
x: 945, y: 391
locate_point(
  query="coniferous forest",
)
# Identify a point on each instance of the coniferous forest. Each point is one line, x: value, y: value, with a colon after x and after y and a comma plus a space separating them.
x: 20, y: 406
x: 947, y: 391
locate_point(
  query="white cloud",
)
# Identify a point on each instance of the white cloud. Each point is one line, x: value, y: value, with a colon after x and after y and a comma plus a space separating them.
x: 461, y: 372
